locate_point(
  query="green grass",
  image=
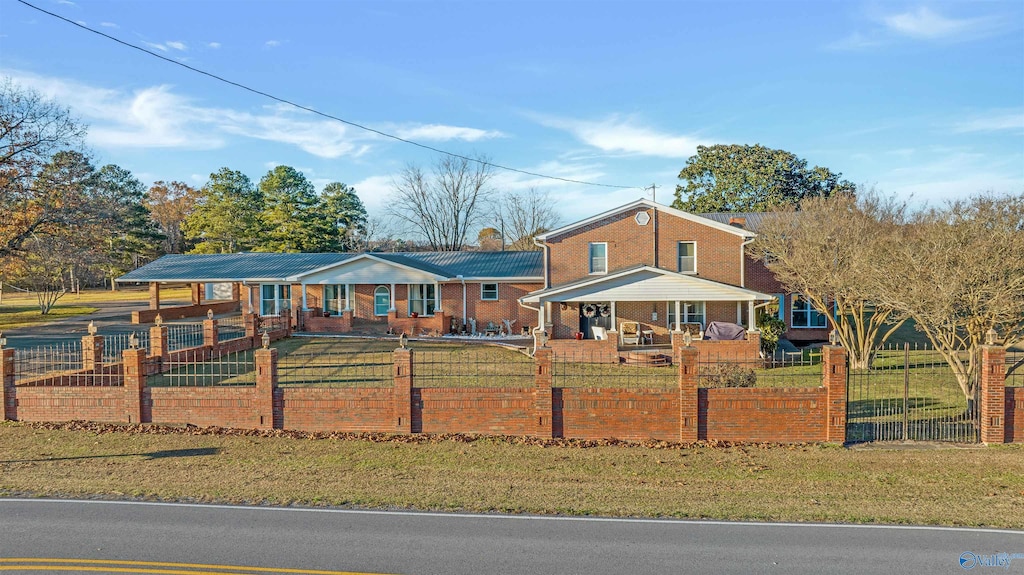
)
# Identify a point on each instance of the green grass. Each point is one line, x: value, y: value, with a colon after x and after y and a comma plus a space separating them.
x: 974, y: 487
x: 15, y: 316
x: 21, y: 309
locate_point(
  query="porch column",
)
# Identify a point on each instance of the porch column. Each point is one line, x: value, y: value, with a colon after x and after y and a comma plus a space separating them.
x: 613, y: 317
x: 540, y: 316
x: 751, y: 326
x: 437, y: 297
x: 348, y: 296
x: 248, y: 288
x: 304, y: 306
x: 392, y: 298
x: 154, y: 295
x: 679, y: 318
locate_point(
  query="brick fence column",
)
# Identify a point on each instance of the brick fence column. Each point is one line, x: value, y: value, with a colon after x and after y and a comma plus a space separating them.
x: 402, y: 397
x: 266, y: 383
x: 7, y: 389
x: 542, y: 404
x: 686, y: 358
x: 992, y: 380
x: 160, y: 345
x: 134, y: 383
x: 251, y: 332
x: 834, y: 380
x: 92, y: 351
x: 210, y: 336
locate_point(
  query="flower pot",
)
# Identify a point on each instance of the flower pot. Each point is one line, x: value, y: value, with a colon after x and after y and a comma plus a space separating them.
x: 579, y: 335
x: 414, y: 314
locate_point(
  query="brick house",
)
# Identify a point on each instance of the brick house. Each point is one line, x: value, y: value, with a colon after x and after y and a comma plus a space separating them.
x: 641, y: 262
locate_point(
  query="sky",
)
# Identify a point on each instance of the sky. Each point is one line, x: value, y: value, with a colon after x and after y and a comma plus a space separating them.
x: 921, y: 100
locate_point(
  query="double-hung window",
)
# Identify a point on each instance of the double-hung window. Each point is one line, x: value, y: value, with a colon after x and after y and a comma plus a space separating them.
x: 489, y: 292
x: 804, y: 314
x: 422, y: 299
x: 689, y: 312
x: 275, y: 299
x: 599, y: 258
x: 687, y: 257
x: 335, y: 298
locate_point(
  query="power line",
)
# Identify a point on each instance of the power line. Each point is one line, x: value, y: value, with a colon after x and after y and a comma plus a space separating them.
x: 313, y: 111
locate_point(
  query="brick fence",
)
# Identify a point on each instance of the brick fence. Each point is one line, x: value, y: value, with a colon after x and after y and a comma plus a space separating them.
x: 686, y: 413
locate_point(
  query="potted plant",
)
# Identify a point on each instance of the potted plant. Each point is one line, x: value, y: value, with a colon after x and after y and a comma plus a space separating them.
x: 414, y: 314
x: 579, y: 335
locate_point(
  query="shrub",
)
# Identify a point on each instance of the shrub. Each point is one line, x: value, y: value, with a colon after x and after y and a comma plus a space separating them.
x: 772, y: 329
x: 727, y: 375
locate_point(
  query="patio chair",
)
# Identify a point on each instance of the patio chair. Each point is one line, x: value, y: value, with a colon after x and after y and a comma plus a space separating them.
x: 629, y: 332
x: 600, y: 333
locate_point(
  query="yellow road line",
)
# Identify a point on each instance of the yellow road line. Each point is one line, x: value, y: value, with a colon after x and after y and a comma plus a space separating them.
x: 146, y: 567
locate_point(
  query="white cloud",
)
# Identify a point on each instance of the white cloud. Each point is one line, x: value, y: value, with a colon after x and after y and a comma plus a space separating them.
x: 925, y: 24
x: 995, y: 121
x: 624, y: 135
x: 66, y: 3
x: 177, y: 45
x: 374, y: 191
x: 109, y: 25
x: 213, y: 45
x: 272, y: 43
x: 442, y: 133
x: 155, y: 46
x: 167, y: 46
x: 855, y: 41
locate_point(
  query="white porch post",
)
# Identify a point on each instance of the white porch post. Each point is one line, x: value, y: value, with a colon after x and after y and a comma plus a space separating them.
x: 750, y: 316
x: 739, y: 312
x: 540, y: 316
x: 304, y: 306
x: 613, y: 316
x: 348, y: 296
x: 391, y: 296
x: 679, y: 318
x: 437, y: 297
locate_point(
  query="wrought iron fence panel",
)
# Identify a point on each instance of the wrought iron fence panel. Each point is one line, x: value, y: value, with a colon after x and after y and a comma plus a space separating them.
x: 116, y: 343
x: 783, y: 370
x: 195, y: 368
x: 183, y: 335
x: 604, y: 369
x: 1014, y: 368
x: 33, y: 363
x: 231, y: 327
x: 336, y: 369
x: 468, y: 367
x: 910, y: 394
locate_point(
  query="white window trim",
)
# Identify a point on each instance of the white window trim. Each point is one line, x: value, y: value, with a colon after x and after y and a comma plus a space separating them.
x: 794, y: 298
x: 278, y: 299
x: 342, y: 303
x: 670, y: 309
x: 679, y: 243
x: 375, y: 290
x: 496, y: 291
x: 590, y: 258
x: 424, y: 299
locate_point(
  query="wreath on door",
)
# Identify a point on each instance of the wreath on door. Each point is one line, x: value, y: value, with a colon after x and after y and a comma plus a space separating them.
x: 589, y: 310
x: 605, y: 311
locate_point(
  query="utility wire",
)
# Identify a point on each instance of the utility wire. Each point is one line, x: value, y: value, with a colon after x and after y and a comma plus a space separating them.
x: 311, y: 110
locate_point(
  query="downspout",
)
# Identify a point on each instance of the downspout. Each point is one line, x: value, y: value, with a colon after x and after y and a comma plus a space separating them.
x: 743, y: 261
x: 544, y: 249
x: 654, y: 209
x: 537, y: 329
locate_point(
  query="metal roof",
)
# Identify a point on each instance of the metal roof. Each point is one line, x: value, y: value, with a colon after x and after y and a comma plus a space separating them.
x: 278, y: 267
x: 753, y: 219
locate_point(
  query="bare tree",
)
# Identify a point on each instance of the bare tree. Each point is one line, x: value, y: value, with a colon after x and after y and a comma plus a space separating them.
x: 523, y: 215
x: 830, y: 250
x: 445, y: 205
x: 958, y: 271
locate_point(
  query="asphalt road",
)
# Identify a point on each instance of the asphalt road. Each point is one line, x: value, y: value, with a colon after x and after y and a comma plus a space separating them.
x: 123, y: 537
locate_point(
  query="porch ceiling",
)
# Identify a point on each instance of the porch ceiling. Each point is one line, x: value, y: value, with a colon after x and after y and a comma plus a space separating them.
x: 646, y: 284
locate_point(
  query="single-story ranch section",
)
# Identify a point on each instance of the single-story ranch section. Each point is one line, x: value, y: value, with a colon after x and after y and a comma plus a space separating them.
x: 642, y: 268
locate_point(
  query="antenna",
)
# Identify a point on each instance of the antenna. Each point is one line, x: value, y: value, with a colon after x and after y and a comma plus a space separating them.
x: 654, y: 192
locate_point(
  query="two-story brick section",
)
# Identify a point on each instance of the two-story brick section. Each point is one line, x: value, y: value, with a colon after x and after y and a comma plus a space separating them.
x: 642, y: 263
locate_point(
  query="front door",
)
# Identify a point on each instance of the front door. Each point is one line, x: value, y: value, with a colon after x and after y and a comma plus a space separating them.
x: 595, y: 314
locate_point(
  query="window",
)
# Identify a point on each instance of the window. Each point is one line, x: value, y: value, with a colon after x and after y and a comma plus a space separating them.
x: 421, y: 299
x: 381, y: 300
x: 599, y: 258
x: 804, y: 314
x: 275, y: 299
x: 489, y: 292
x: 335, y: 298
x: 690, y: 312
x: 687, y: 252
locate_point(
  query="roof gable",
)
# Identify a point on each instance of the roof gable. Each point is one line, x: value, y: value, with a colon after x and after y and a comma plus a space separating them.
x: 648, y: 204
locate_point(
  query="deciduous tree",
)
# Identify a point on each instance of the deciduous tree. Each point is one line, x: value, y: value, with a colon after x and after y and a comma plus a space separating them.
x: 524, y: 215
x: 742, y: 178
x: 170, y: 204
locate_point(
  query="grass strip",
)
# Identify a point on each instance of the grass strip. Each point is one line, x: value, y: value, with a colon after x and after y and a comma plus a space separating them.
x: 939, y: 486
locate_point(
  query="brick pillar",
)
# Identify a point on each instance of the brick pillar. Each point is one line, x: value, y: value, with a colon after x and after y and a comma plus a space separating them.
x: 403, y: 377
x: 7, y: 387
x: 134, y: 384
x: 92, y: 351
x: 251, y: 333
x: 159, y: 343
x: 210, y: 336
x: 197, y: 293
x: 686, y: 358
x: 266, y: 384
x: 993, y: 394
x: 833, y: 367
x: 542, y: 405
x: 236, y: 292
x: 154, y: 295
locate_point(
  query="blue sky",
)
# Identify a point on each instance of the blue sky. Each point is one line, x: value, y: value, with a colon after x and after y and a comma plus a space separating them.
x: 922, y: 100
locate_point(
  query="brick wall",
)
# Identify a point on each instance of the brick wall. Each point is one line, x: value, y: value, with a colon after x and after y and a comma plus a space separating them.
x: 184, y: 311
x: 224, y: 406
x: 752, y: 414
x: 329, y: 409
x: 633, y: 414
x: 587, y: 350
x: 101, y: 404
x: 313, y: 321
x: 494, y: 410
x: 629, y: 244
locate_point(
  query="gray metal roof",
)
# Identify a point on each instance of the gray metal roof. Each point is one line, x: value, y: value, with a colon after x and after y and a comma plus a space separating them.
x: 753, y: 219
x: 277, y: 267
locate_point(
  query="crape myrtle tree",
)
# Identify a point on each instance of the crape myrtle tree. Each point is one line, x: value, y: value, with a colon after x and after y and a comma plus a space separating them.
x: 743, y: 178
x: 958, y: 272
x: 443, y: 206
x: 830, y: 250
